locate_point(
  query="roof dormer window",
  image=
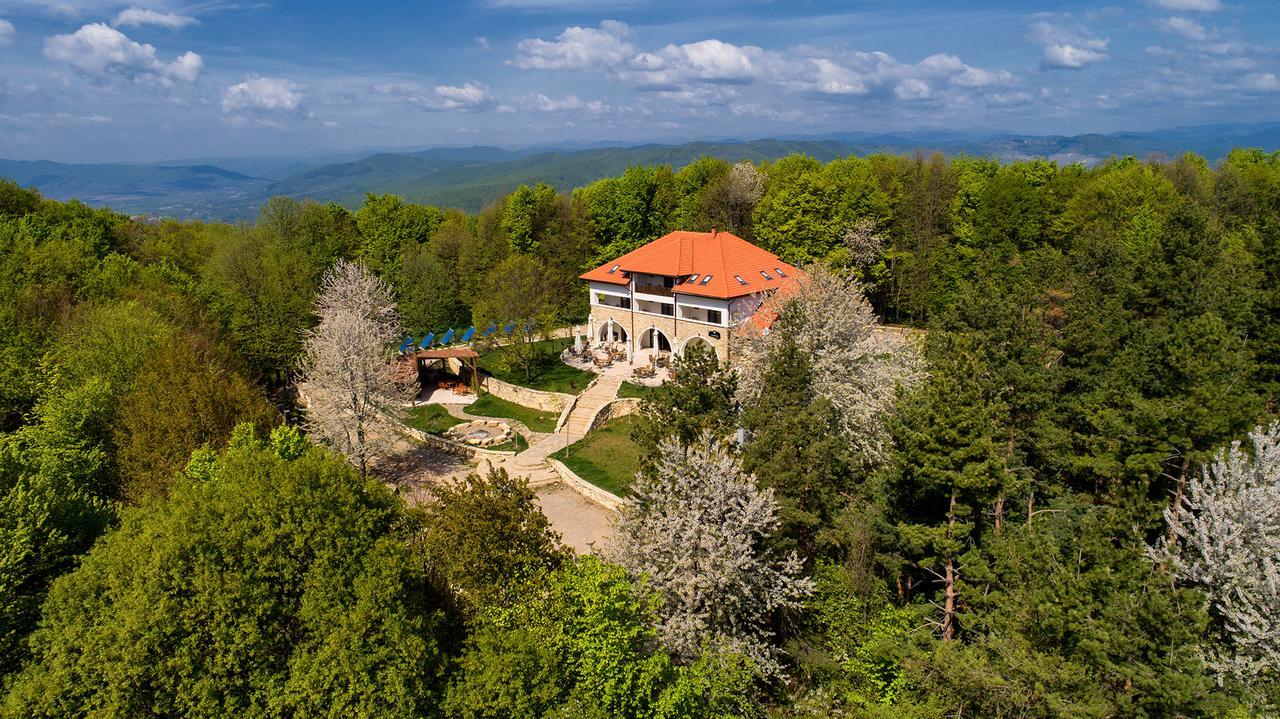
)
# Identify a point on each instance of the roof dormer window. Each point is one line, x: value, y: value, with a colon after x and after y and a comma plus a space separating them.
x: 613, y: 269
x: 739, y: 279
x: 705, y: 280
x: 692, y: 279
x: 766, y: 275
x: 780, y: 272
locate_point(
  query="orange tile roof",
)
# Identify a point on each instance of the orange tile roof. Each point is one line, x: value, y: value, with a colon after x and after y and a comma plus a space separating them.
x: 722, y: 255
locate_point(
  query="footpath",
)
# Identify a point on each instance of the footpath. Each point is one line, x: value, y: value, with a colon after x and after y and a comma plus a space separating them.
x: 580, y: 521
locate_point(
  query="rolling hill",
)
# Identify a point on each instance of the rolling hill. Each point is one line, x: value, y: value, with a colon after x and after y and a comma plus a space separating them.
x: 470, y: 177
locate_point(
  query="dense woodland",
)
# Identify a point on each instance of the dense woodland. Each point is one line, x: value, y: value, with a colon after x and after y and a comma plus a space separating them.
x: 1015, y: 537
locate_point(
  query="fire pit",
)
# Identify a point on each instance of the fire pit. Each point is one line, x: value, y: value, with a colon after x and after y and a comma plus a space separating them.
x: 481, y: 433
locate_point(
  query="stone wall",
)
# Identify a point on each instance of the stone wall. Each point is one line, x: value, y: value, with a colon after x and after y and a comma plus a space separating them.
x: 602, y: 497
x: 676, y: 330
x: 615, y: 409
x: 537, y: 399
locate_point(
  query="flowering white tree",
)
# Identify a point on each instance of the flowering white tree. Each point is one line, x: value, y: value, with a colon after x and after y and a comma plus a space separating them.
x: 1226, y: 540
x: 347, y: 369
x: 697, y: 528
x: 856, y: 365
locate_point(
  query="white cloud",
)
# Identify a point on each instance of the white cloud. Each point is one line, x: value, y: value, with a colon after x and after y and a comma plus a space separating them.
x: 101, y: 52
x: 704, y: 61
x: 136, y: 16
x: 7, y: 32
x: 541, y: 103
x: 262, y: 94
x: 577, y: 48
x: 1067, y: 47
x: 1262, y: 82
x: 1189, y: 5
x: 468, y: 97
x: 1070, y: 56
x: 1189, y: 29
x: 878, y: 74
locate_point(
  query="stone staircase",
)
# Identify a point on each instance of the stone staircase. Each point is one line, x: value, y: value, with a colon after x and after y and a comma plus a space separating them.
x: 604, y: 391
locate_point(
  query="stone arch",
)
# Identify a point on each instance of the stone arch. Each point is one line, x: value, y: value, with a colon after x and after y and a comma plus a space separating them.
x: 612, y: 332
x: 697, y: 341
x: 654, y: 338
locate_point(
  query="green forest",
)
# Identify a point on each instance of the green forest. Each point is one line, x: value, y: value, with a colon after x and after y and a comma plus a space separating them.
x: 1053, y: 521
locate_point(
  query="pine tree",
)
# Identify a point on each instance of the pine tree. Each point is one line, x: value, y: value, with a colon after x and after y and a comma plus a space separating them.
x: 948, y: 467
x: 795, y: 449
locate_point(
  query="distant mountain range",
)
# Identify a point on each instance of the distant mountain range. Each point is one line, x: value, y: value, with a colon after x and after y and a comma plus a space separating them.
x: 470, y: 177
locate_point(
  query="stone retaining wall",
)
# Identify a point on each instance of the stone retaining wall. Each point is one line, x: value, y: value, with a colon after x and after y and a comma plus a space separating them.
x: 616, y: 408
x: 602, y: 497
x: 537, y: 399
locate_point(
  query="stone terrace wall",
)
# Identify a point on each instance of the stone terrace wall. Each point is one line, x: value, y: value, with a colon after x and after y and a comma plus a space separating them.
x: 616, y: 408
x: 537, y: 399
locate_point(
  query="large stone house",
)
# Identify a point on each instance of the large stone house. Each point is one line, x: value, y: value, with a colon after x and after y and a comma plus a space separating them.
x: 682, y: 289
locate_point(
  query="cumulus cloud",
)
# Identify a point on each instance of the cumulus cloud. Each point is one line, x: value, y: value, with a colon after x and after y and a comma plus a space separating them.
x: 704, y: 61
x: 1068, y: 48
x: 261, y: 94
x: 468, y: 97
x: 713, y: 72
x: 541, y: 103
x: 577, y: 48
x: 103, y: 52
x: 1262, y: 82
x: 879, y: 74
x: 136, y: 16
x: 1189, y: 5
x: 1189, y: 29
x: 7, y: 32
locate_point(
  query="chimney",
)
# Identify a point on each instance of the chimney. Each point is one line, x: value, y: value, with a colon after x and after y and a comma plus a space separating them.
x: 713, y: 230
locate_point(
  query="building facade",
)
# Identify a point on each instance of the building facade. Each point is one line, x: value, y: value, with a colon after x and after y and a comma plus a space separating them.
x: 682, y: 290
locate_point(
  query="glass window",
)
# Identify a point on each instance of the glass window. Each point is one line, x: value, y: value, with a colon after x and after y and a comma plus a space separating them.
x: 713, y: 316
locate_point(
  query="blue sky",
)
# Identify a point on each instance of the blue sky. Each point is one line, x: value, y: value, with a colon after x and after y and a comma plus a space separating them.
x: 99, y: 80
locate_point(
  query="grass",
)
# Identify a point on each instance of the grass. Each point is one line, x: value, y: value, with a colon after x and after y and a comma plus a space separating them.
x: 607, y: 457
x: 549, y: 374
x: 488, y: 405
x: 638, y: 391
x: 431, y: 418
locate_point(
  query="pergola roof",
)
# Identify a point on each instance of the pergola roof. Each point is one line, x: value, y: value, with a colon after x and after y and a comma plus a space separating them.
x: 448, y: 353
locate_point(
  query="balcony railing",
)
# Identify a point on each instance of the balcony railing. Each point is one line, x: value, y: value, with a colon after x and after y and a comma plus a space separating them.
x: 658, y: 290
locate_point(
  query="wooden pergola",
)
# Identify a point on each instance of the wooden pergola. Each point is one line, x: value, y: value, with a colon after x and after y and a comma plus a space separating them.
x: 465, y: 355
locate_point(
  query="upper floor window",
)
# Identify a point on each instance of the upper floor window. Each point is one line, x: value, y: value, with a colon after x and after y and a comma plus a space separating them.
x: 613, y: 269
x: 765, y: 275
x: 780, y: 272
x: 739, y: 279
x: 705, y: 280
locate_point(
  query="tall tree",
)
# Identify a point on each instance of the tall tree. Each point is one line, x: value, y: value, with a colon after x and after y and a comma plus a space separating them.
x: 1225, y: 532
x: 698, y: 398
x: 699, y: 529
x: 268, y: 586
x: 854, y: 366
x: 795, y: 448
x: 947, y: 469
x: 518, y: 293
x: 487, y: 537
x: 347, y: 372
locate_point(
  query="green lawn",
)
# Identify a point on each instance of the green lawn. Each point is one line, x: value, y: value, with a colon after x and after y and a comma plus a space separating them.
x: 431, y: 418
x: 607, y: 457
x: 488, y: 405
x: 639, y: 391
x: 549, y: 375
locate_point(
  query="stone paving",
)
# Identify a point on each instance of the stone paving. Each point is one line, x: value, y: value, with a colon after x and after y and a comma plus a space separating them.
x: 579, y: 521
